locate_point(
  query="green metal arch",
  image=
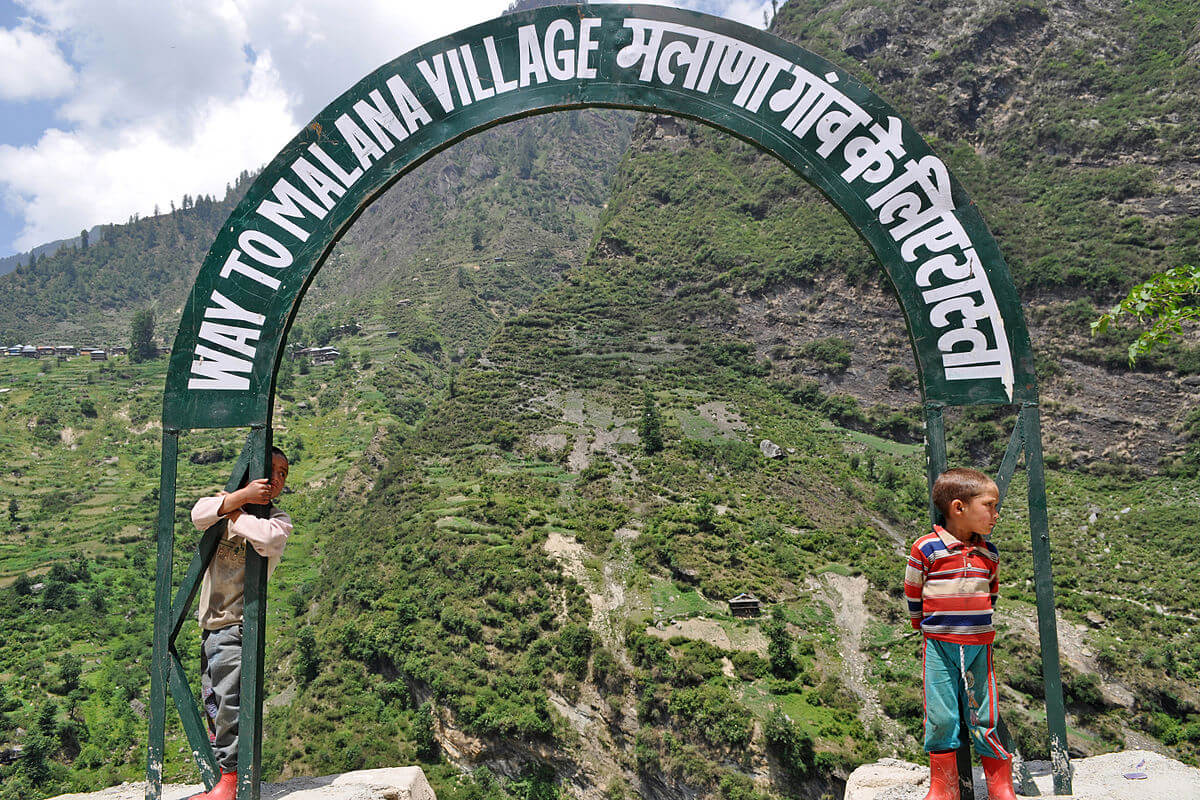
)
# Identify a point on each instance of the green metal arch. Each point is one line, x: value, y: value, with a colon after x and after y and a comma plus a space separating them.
x: 964, y: 318
x: 952, y: 283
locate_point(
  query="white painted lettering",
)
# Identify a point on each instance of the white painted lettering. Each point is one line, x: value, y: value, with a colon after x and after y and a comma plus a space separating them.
x: 363, y: 146
x: 347, y: 178
x: 561, y: 64
x: 532, y: 65
x: 325, y: 188
x: 235, y: 264
x: 464, y: 94
x: 587, y: 44
x: 502, y: 86
x: 473, y: 74
x: 231, y: 337
x: 435, y: 76
x: 377, y: 117
x: 410, y: 107
x: 278, y: 258
x: 214, y: 370
x: 227, y: 309
x: 287, y: 202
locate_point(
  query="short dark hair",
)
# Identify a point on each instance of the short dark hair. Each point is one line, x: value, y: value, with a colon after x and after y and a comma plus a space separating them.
x: 275, y: 451
x: 960, y: 483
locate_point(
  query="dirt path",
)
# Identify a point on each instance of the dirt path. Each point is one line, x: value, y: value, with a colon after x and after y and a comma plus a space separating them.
x: 896, y: 536
x: 1153, y: 609
x: 606, y: 591
x: 844, y: 595
x: 1072, y: 647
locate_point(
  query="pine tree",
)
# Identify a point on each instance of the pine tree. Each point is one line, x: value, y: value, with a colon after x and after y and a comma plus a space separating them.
x: 779, y: 647
x: 141, y: 336
x: 650, y: 427
x: 285, y: 379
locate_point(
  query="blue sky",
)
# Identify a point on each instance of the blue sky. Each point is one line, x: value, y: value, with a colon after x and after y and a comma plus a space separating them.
x: 110, y: 108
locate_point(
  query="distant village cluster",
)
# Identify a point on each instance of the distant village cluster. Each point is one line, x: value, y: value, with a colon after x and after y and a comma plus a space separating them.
x: 63, y: 351
x: 317, y: 355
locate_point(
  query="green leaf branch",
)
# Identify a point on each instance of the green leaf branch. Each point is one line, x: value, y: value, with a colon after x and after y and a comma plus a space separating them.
x: 1161, y: 305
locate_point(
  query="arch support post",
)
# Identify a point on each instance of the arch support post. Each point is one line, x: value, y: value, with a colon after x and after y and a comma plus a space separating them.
x: 254, y: 629
x: 1039, y: 531
x: 935, y: 452
x: 160, y: 659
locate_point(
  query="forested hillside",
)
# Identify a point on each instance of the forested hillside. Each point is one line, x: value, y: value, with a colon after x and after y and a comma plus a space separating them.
x: 530, y: 484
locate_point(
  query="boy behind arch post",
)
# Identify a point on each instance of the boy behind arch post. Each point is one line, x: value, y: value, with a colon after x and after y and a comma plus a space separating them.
x: 221, y: 603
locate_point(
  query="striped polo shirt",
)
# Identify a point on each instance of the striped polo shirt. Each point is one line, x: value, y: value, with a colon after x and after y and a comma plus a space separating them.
x: 951, y: 587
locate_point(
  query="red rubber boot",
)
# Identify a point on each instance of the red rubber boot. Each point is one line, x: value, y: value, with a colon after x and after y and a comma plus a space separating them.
x: 999, y: 778
x: 226, y: 789
x: 943, y: 776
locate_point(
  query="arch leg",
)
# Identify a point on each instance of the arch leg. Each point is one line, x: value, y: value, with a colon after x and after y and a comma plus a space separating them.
x: 254, y: 624
x: 160, y: 658
x: 1043, y: 581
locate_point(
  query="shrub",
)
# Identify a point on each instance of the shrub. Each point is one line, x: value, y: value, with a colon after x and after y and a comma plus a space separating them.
x: 831, y: 354
x: 899, y: 377
x: 709, y: 713
x: 789, y: 743
x: 749, y: 666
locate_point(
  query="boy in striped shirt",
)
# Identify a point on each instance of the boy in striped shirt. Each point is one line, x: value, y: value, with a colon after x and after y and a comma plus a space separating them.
x: 951, y: 586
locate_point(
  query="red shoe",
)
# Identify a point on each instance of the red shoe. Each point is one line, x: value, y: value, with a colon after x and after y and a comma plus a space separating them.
x: 226, y: 789
x: 999, y: 778
x: 943, y: 776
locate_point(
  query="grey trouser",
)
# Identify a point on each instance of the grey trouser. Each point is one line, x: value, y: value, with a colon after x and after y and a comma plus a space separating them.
x: 220, y: 689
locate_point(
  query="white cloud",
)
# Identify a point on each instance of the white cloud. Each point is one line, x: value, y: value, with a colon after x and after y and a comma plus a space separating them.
x: 321, y: 47
x: 140, y: 61
x: 31, y: 66
x: 68, y: 181
x: 175, y: 97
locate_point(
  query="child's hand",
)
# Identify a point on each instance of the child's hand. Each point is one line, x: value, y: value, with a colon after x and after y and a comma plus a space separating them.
x: 257, y: 492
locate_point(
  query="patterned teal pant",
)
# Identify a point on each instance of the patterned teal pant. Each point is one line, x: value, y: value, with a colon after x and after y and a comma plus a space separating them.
x: 954, y: 671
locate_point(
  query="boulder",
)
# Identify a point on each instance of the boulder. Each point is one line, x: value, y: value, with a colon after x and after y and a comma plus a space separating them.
x: 770, y: 449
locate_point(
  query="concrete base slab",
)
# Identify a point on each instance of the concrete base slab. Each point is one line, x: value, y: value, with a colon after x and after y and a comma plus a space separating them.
x: 392, y: 783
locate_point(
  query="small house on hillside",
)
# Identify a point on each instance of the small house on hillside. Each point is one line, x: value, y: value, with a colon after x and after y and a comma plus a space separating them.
x: 319, y: 355
x: 325, y: 355
x: 99, y: 355
x: 745, y: 605
x: 118, y: 351
x: 15, y: 350
x: 45, y: 351
x: 66, y: 350
x: 29, y: 351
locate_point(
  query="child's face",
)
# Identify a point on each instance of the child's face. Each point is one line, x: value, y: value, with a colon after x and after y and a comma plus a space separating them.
x: 279, y: 473
x: 979, y: 514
